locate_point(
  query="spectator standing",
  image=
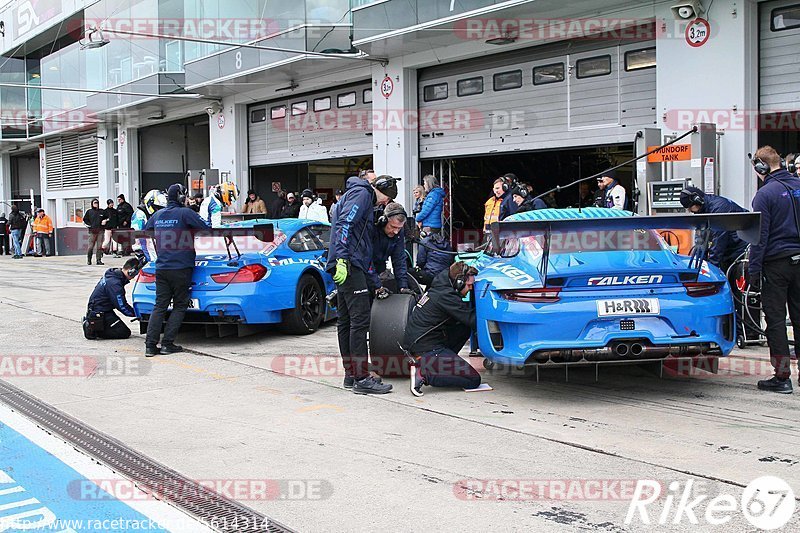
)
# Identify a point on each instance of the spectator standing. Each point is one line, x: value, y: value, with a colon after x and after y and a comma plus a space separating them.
x: 429, y: 218
x: 312, y: 208
x: 17, y: 222
x: 112, y: 221
x: 337, y: 196
x: 43, y: 233
x: 419, y: 199
x: 4, y: 235
x: 95, y: 220
x: 508, y: 207
x: 124, y: 215
x: 254, y: 204
x: 615, y: 196
x: 276, y: 205
x: 292, y: 207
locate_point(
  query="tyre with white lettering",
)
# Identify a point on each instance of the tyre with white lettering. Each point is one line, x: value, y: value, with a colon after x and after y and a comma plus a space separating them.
x: 309, y: 308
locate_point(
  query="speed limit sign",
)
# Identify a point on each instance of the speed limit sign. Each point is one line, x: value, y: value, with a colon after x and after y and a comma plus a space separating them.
x: 697, y: 32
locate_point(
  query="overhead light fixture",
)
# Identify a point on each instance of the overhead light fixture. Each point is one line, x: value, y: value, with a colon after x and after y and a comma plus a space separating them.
x: 291, y: 87
x: 36, y: 75
x: 160, y: 116
x: 54, y: 67
x: 94, y: 39
x: 504, y: 39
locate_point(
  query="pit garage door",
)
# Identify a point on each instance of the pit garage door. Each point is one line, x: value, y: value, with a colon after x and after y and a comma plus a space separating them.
x: 779, y: 77
x: 556, y: 96
x: 329, y: 124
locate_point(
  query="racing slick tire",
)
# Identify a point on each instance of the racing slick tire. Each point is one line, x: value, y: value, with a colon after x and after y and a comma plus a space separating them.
x: 387, y: 327
x: 309, y: 308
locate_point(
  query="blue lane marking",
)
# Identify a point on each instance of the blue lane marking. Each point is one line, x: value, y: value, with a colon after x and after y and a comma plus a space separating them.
x: 37, y: 493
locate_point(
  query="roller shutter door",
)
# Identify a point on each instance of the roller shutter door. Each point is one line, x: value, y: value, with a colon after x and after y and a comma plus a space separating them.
x: 547, y: 97
x: 322, y: 125
x: 71, y: 161
x: 779, y: 78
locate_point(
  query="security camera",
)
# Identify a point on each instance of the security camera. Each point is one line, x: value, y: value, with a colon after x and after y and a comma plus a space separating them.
x: 213, y: 109
x: 688, y: 10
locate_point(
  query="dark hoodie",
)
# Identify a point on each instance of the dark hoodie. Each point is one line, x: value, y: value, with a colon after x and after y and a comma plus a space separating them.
x: 434, y: 261
x: 726, y: 245
x: 779, y: 220
x: 109, y: 294
x: 353, y: 227
x: 174, y: 240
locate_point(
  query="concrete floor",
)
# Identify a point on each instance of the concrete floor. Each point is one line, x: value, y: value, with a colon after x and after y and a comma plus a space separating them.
x: 251, y: 409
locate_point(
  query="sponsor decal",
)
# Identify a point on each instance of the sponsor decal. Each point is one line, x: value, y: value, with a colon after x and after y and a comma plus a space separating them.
x: 513, y: 273
x: 609, y: 281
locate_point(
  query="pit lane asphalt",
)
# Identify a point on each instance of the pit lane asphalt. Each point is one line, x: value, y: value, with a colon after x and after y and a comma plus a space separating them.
x: 227, y: 410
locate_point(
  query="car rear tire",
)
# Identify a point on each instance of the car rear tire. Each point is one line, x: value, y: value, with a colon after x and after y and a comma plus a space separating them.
x: 309, y: 308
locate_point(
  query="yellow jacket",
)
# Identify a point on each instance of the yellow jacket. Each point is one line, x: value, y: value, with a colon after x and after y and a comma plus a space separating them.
x: 491, y: 211
x: 42, y: 225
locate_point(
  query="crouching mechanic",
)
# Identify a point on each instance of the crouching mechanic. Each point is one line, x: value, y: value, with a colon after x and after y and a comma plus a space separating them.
x: 101, y: 322
x: 439, y: 326
x: 726, y: 246
x: 349, y: 259
x: 390, y: 240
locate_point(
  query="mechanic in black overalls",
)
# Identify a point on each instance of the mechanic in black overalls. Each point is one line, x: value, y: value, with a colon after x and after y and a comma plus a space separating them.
x: 101, y: 322
x: 726, y: 246
x: 775, y: 261
x: 439, y: 326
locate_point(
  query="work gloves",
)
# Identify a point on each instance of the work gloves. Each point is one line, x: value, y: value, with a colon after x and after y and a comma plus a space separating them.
x: 382, y: 293
x: 342, y: 270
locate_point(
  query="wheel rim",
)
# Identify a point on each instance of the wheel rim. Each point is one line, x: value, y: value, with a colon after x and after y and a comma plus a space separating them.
x: 310, y: 305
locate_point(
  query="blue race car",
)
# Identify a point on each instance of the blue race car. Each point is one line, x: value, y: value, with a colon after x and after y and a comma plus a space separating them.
x: 596, y: 285
x: 243, y: 282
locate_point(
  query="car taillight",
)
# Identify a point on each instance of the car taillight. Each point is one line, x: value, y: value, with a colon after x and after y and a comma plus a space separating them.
x: 697, y: 289
x: 146, y: 277
x: 246, y: 274
x: 540, y: 295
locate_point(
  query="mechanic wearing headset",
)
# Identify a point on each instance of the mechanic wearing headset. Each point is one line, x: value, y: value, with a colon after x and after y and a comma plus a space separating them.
x: 439, y: 326
x: 726, y: 246
x: 101, y: 322
x: 508, y: 207
x: 776, y: 258
x: 349, y: 258
x: 525, y: 200
x: 390, y: 241
x: 175, y: 257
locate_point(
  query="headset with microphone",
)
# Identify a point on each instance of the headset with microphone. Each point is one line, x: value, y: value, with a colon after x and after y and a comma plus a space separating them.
x: 759, y: 165
x: 384, y: 183
x: 460, y: 281
x: 383, y: 219
x: 694, y: 197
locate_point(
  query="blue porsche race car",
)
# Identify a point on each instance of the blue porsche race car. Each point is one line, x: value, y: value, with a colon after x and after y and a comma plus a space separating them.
x: 596, y: 285
x: 241, y: 282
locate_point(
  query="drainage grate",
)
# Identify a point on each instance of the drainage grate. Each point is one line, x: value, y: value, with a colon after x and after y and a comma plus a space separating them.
x: 215, y: 510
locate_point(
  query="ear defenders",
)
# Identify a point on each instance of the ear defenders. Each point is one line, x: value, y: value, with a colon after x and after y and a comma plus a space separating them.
x: 389, y: 213
x: 460, y: 282
x: 759, y: 166
x: 385, y: 182
x: 183, y: 193
x: 694, y: 198
x: 791, y: 166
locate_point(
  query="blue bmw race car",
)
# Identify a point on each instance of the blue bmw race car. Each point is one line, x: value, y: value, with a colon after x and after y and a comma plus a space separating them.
x: 242, y: 281
x: 595, y: 285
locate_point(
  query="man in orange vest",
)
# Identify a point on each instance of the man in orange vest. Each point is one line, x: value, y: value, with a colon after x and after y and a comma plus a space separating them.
x: 42, y: 232
x: 491, y: 207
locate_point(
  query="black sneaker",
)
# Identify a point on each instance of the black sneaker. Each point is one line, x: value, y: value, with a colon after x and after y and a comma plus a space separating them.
x: 774, y: 384
x: 89, y: 262
x: 99, y: 263
x: 417, y: 381
x: 167, y: 349
x: 348, y: 382
x: 369, y: 385
x: 150, y: 351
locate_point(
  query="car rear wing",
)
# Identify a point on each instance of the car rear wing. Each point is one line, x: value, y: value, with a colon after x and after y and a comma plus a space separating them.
x: 262, y: 232
x: 746, y: 225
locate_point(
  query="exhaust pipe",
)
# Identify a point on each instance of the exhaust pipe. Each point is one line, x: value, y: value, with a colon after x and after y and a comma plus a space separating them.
x: 621, y: 349
x: 636, y: 349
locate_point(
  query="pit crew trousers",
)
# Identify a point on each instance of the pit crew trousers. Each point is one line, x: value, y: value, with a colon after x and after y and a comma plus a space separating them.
x: 781, y: 286
x: 443, y: 367
x: 172, y: 286
x: 113, y: 328
x: 353, y: 304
